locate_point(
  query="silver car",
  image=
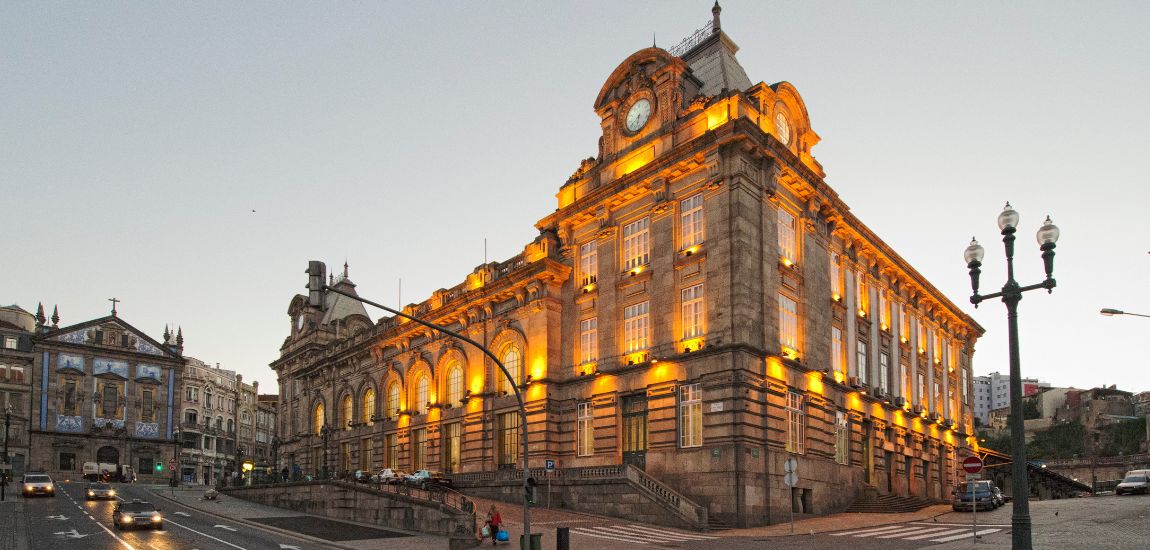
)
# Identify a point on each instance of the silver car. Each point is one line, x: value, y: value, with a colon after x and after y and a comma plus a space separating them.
x: 130, y: 515
x: 99, y: 491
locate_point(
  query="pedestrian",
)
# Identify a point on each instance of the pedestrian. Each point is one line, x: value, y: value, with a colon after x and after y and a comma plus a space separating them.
x: 494, y: 523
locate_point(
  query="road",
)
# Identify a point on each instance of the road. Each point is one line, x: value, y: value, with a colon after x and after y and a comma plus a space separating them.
x: 68, y: 522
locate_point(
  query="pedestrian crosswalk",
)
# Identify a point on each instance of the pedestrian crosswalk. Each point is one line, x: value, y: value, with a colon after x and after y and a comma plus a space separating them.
x: 637, y: 534
x: 932, y: 532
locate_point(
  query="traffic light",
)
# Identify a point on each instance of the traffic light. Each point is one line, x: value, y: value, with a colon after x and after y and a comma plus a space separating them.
x: 316, y: 273
x: 159, y: 467
x: 530, y: 490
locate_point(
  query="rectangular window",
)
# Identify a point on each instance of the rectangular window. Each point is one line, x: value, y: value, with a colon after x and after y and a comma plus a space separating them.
x: 71, y: 407
x: 692, y: 312
x: 110, y: 400
x: 636, y: 244
x: 922, y: 389
x: 10, y: 342
x: 838, y: 350
x: 883, y: 311
x: 950, y: 403
x: 796, y: 422
x: 937, y: 340
x: 148, y: 405
x: 788, y: 323
x: 861, y: 357
x: 586, y: 429
x: 636, y: 327
x: 589, y: 340
x: 691, y: 220
x: 937, y: 397
x: 788, y: 252
x: 508, y: 424
x: 884, y: 371
x: 842, y: 438
x: 365, y: 452
x: 921, y: 336
x: 965, y: 384
x: 690, y: 415
x: 451, y: 447
x: 16, y: 374
x: 904, y: 324
x: 345, y: 456
x: 144, y: 464
x: 419, y: 449
x: 862, y: 294
x: 836, y: 277
x: 588, y: 263
x: 391, y: 450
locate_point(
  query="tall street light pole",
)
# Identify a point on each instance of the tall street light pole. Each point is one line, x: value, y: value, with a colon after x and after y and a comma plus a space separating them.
x: 6, y: 473
x: 325, y: 434
x: 317, y: 275
x: 175, y: 464
x: 1011, y: 294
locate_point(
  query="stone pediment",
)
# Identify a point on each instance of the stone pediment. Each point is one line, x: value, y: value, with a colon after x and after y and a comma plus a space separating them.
x: 111, y: 333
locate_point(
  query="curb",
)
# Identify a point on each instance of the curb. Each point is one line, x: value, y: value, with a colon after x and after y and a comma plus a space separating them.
x: 285, y: 532
x: 808, y: 532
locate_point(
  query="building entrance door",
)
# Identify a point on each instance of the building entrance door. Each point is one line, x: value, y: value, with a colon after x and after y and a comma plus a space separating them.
x: 909, y: 466
x: 635, y: 430
x: 890, y: 472
x: 108, y: 455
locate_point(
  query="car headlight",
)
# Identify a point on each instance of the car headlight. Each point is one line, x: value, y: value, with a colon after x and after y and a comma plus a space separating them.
x: 112, y: 493
x: 156, y: 518
x: 127, y: 519
x: 91, y: 494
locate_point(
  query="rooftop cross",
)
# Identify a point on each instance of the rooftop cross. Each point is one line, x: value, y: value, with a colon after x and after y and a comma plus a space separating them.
x: 114, y: 301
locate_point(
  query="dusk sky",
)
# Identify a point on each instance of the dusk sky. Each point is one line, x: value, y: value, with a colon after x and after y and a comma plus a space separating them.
x: 189, y: 158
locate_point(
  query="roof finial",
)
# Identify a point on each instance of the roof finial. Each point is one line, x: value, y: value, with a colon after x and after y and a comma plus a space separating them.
x: 114, y: 300
x: 345, y: 268
x: 40, y: 319
x: 715, y: 14
x: 180, y: 337
x: 56, y: 316
x: 167, y: 335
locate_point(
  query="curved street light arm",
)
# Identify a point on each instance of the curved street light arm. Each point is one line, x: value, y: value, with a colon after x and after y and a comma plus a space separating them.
x: 506, y: 374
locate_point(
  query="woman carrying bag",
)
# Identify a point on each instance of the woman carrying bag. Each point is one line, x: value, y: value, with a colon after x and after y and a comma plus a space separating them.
x: 493, y: 526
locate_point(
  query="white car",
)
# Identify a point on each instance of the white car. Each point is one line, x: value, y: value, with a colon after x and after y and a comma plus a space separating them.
x: 388, y: 476
x: 1136, y: 481
x: 38, y: 484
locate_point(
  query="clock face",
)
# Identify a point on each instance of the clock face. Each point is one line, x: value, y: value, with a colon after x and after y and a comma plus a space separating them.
x: 783, y: 128
x: 638, y: 115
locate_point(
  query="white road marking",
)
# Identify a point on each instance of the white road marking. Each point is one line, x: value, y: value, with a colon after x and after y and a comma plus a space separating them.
x: 184, y: 514
x: 101, y: 525
x: 920, y: 537
x: 288, y: 547
x: 665, y: 533
x: 206, y: 535
x: 965, y: 535
x: 869, y: 530
x: 914, y: 531
x: 609, y: 537
x: 60, y: 517
x: 232, y: 529
x: 959, y: 524
x: 73, y: 534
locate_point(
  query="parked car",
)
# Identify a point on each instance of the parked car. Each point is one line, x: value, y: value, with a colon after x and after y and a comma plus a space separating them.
x: 137, y: 513
x: 975, y: 495
x: 388, y: 476
x: 1136, y: 481
x: 99, y: 491
x: 38, y: 484
x: 427, y: 478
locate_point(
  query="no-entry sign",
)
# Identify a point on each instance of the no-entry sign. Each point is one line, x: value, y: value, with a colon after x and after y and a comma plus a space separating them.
x: 972, y: 464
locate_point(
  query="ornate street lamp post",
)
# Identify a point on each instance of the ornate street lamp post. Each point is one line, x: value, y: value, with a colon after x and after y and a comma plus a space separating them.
x: 6, y: 473
x: 1011, y: 294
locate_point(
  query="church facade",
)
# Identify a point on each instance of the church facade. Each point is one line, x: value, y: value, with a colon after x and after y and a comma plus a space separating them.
x: 701, y: 306
x: 103, y: 392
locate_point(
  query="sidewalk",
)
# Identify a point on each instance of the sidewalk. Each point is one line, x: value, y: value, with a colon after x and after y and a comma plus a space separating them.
x: 12, y: 514
x: 836, y: 522
x: 237, y: 510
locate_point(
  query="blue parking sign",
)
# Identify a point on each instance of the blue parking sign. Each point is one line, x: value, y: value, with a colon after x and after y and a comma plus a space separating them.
x: 549, y: 464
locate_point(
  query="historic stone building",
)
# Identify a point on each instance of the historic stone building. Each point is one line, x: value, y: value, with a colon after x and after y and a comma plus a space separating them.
x: 702, y: 306
x: 17, y: 328
x: 217, y: 422
x: 103, y: 392
x: 267, y: 441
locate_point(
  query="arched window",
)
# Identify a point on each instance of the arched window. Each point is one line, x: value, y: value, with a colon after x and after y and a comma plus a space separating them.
x: 219, y: 422
x: 231, y: 425
x: 368, y: 406
x: 511, y: 360
x: 347, y: 413
x: 392, y: 399
x: 422, y: 389
x: 454, y: 382
x: 318, y: 418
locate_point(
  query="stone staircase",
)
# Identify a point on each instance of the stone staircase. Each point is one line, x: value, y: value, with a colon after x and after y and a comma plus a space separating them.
x: 888, y: 504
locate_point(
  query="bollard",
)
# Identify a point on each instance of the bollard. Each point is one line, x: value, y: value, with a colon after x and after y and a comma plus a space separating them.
x: 562, y: 538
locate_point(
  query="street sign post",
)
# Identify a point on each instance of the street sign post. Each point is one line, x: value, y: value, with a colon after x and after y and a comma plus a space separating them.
x: 972, y: 465
x: 549, y: 465
x: 791, y: 478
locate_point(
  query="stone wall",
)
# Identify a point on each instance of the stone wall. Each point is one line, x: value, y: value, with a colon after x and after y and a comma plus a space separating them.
x: 361, y: 504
